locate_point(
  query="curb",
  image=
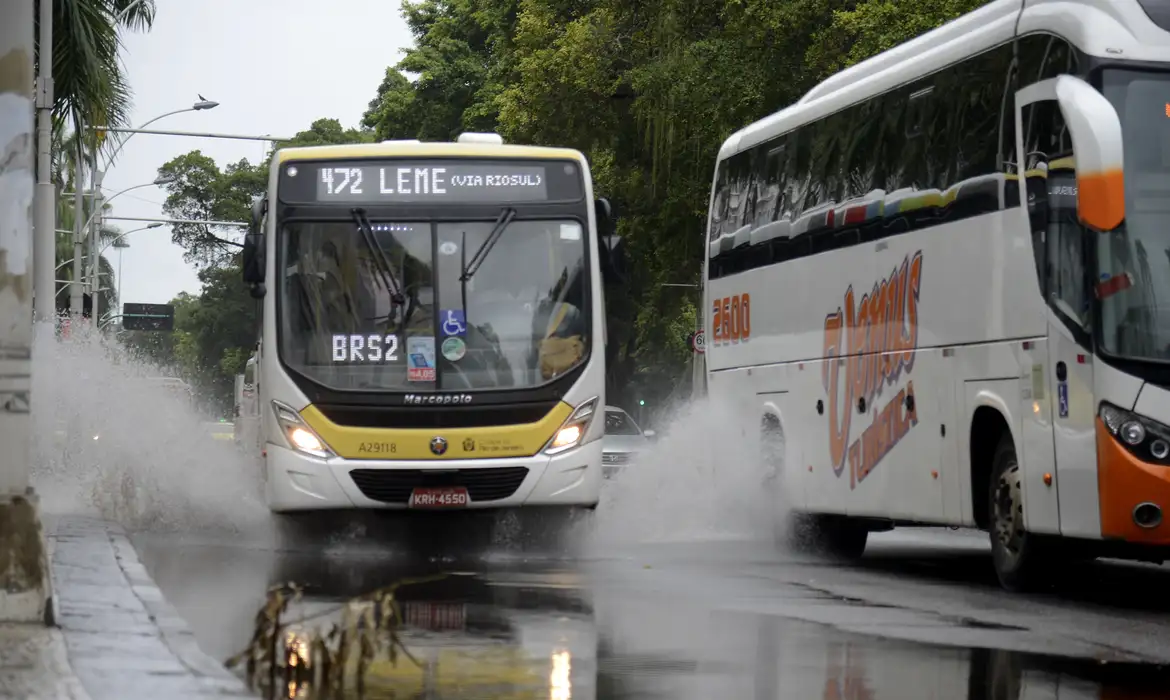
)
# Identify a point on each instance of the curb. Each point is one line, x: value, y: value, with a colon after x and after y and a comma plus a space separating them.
x: 123, y: 638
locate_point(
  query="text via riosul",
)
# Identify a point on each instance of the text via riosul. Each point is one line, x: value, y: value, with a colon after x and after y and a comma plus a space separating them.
x: 876, y: 339
x: 365, y: 348
x: 732, y: 320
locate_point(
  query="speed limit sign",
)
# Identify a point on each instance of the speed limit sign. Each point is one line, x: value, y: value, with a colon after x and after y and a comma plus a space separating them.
x: 698, y: 342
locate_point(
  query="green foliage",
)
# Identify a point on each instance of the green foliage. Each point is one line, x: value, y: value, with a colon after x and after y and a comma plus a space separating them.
x: 878, y: 25
x: 90, y: 87
x: 648, y: 90
x: 216, y: 331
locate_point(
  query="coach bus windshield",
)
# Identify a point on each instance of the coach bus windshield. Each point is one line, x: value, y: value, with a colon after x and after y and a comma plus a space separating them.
x: 1133, y: 275
x: 520, y: 319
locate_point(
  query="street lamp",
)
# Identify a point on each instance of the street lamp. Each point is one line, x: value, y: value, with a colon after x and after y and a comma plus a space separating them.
x: 98, y: 176
x: 99, y: 204
x: 160, y: 180
x: 199, y: 106
x: 117, y: 242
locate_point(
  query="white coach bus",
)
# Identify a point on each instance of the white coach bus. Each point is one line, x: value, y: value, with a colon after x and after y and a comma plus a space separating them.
x: 433, y: 327
x: 942, y: 280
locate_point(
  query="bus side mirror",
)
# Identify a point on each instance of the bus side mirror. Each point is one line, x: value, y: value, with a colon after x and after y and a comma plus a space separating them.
x: 257, y: 290
x: 608, y: 244
x: 604, y: 214
x: 253, y: 253
x: 1096, y: 136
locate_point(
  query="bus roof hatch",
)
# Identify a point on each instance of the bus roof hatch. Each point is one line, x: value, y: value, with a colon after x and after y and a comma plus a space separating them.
x: 476, y: 137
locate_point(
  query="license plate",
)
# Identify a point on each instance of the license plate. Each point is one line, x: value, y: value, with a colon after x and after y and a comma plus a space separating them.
x: 435, y: 616
x: 450, y: 497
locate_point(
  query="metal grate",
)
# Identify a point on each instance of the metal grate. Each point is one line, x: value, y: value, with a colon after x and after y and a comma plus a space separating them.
x: 395, y: 485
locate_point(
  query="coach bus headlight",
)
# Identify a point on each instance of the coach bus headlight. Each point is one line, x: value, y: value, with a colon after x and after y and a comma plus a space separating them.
x: 1146, y: 439
x: 571, y: 432
x: 299, y: 435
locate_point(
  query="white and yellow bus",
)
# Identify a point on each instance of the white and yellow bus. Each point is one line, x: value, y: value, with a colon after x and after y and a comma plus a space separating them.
x: 942, y: 282
x: 433, y: 327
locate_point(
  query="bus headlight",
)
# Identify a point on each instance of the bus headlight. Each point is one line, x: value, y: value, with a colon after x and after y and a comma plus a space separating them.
x: 299, y: 435
x: 1146, y: 439
x: 572, y: 431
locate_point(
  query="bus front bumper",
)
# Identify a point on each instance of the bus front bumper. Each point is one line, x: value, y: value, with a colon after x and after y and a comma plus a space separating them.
x: 297, y: 482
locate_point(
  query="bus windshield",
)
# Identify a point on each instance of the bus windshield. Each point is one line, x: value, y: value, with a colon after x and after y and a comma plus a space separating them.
x: 1133, y: 275
x: 521, y: 320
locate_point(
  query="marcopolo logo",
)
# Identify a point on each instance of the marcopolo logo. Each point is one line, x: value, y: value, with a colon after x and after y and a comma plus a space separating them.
x: 877, y: 337
x: 436, y: 399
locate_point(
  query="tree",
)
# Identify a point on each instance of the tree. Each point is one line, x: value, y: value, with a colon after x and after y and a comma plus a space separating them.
x: 215, y: 332
x: 202, y: 191
x: 89, y: 85
x: 648, y: 90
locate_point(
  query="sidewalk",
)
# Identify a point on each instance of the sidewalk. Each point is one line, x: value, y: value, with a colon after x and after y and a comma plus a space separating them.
x: 117, y: 637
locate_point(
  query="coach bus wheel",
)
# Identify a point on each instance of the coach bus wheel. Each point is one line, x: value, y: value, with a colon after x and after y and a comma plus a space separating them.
x: 833, y: 536
x: 1020, y: 557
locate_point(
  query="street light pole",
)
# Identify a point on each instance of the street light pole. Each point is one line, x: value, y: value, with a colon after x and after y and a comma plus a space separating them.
x: 99, y: 174
x: 24, y: 575
x: 92, y: 223
x: 75, y: 294
x: 196, y: 134
x: 44, y: 200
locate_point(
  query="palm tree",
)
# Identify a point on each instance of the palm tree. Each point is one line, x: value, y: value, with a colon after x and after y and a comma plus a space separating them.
x: 89, y: 86
x: 90, y: 89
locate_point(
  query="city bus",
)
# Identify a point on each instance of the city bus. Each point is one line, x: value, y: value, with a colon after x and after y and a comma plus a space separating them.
x: 433, y: 327
x: 934, y: 281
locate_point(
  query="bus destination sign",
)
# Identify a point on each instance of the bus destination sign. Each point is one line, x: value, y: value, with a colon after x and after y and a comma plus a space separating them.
x: 434, y: 181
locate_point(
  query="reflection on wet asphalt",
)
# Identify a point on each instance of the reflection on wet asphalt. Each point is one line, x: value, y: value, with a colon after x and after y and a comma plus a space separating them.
x: 920, y: 618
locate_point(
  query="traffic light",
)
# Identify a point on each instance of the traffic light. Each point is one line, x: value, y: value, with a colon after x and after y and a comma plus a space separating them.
x: 641, y: 402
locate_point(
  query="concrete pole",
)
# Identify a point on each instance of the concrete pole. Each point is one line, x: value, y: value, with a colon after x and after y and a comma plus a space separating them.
x: 98, y: 202
x: 23, y: 569
x: 45, y: 213
x: 76, y: 289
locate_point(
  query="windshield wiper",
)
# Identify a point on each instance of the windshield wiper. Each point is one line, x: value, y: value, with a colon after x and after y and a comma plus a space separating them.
x: 502, y: 222
x: 381, y: 260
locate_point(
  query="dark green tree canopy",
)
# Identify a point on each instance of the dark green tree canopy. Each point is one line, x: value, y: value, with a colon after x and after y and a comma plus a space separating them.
x: 647, y: 89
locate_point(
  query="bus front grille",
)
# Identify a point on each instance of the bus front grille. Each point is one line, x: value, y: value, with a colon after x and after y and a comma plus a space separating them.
x: 395, y: 485
x: 436, y: 417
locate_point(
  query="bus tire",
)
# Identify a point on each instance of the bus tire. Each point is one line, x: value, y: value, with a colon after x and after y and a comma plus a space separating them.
x: 1021, y: 559
x: 833, y: 536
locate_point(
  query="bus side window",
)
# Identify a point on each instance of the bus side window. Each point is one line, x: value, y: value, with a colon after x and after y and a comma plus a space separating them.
x: 721, y: 201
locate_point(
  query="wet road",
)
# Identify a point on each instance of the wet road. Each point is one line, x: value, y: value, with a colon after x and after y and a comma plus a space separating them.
x: 921, y: 617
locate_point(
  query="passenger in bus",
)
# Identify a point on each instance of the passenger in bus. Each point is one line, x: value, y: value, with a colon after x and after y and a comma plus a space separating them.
x: 562, y: 343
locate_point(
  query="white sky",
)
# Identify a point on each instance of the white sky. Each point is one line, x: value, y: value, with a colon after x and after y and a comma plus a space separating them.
x: 274, y: 66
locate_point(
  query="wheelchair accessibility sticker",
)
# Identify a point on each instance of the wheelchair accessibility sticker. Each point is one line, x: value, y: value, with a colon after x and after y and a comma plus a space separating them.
x: 454, y: 323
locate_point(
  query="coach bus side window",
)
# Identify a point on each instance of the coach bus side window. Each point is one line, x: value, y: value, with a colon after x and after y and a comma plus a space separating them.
x: 773, y: 179
x: 722, y: 199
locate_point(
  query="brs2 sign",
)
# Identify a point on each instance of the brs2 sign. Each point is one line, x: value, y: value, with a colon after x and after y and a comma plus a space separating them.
x: 732, y: 321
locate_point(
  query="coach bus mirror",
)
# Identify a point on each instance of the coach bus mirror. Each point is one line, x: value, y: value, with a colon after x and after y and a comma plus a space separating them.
x: 257, y: 290
x: 1096, y: 135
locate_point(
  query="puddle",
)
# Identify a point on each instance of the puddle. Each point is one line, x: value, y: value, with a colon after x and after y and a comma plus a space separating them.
x: 543, y: 629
